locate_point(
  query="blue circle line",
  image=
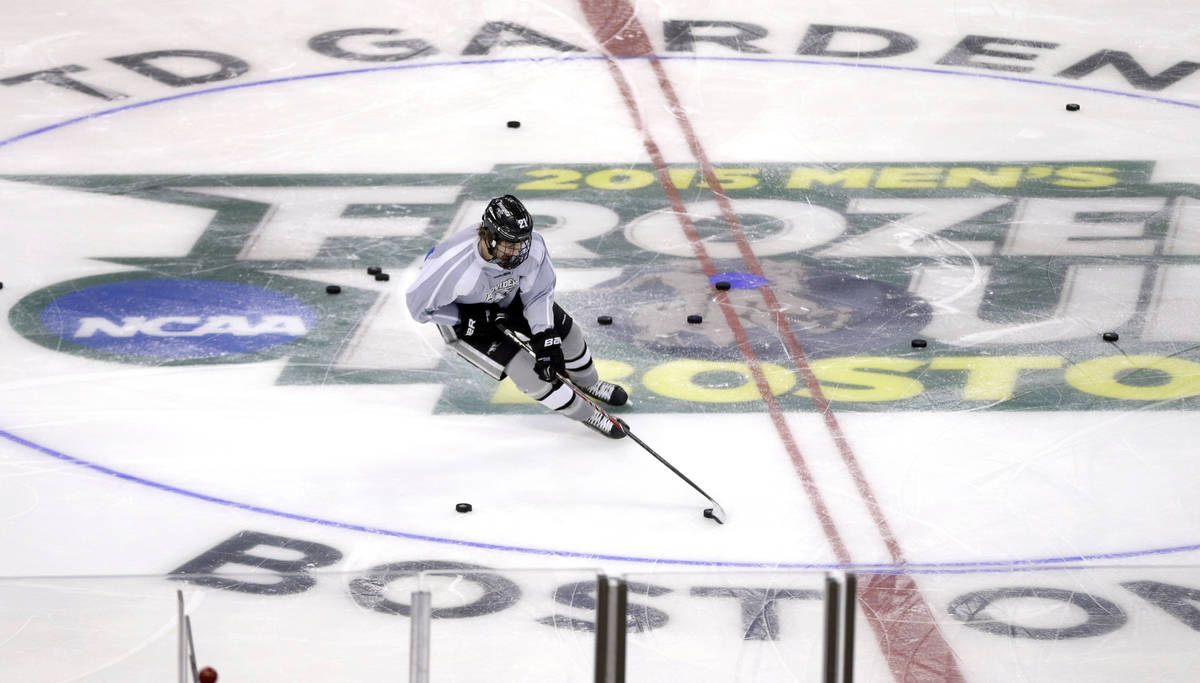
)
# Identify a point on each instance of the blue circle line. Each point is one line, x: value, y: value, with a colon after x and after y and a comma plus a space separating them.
x: 916, y: 567
x: 757, y: 60
x: 912, y: 567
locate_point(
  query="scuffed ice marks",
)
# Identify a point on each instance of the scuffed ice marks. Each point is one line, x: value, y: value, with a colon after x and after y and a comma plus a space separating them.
x: 831, y: 313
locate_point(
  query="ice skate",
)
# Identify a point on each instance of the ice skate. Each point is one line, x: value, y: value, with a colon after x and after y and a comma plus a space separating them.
x: 601, y: 423
x: 610, y: 393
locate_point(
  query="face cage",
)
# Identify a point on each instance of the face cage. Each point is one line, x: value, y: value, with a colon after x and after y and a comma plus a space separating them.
x: 514, y: 260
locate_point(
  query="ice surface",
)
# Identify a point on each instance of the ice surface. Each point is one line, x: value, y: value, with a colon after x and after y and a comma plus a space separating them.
x: 883, y: 198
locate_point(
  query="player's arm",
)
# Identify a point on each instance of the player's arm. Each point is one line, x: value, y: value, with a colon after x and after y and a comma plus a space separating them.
x: 431, y: 297
x: 537, y: 291
x: 425, y: 306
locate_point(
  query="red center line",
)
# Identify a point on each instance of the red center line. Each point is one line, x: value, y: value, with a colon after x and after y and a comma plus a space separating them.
x: 620, y: 32
x: 739, y: 332
x: 913, y: 646
x: 779, y: 317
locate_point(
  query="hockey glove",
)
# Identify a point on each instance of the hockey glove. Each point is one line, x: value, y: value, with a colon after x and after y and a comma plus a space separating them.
x: 474, y: 319
x: 548, y: 360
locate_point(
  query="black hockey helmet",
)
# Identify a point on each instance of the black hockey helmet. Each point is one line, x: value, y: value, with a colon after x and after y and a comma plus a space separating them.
x: 507, y: 220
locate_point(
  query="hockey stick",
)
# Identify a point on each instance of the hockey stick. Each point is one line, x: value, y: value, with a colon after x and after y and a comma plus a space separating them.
x: 715, y: 513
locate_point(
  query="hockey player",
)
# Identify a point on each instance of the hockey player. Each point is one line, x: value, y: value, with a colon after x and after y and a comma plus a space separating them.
x: 498, y: 272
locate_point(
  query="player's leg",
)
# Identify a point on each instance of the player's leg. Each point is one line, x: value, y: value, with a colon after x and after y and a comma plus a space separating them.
x: 479, y: 351
x: 498, y: 355
x: 558, y: 397
x: 580, y: 366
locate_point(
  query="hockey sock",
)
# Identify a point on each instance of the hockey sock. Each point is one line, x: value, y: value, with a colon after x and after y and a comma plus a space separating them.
x: 557, y: 397
x: 573, y: 407
x: 579, y: 359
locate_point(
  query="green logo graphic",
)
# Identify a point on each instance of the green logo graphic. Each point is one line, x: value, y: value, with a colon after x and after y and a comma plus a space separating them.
x: 1010, y: 271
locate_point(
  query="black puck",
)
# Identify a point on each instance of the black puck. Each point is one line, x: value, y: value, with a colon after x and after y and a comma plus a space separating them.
x: 1072, y: 107
x: 514, y: 124
x: 333, y: 289
x: 722, y: 285
x: 708, y: 513
x: 1110, y: 336
x: 604, y: 320
x: 463, y: 507
x: 695, y: 319
x: 382, y: 277
x: 374, y: 270
x: 919, y: 343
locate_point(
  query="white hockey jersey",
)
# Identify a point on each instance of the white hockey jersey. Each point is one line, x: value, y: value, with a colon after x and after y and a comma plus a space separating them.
x: 455, y: 273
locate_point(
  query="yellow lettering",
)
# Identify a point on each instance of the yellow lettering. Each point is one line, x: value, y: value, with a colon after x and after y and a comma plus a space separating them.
x: 908, y: 177
x: 552, y: 179
x: 620, y: 179
x: 677, y: 379
x: 803, y: 178
x: 993, y: 378
x: 1005, y: 176
x: 682, y: 178
x: 1086, y: 176
x: 736, y: 178
x: 854, y: 378
x: 1137, y: 378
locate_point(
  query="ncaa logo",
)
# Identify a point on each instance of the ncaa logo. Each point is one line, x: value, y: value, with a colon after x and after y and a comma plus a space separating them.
x: 175, y: 319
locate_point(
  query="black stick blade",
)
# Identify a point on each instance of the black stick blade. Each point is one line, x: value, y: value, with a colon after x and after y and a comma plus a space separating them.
x: 717, y: 514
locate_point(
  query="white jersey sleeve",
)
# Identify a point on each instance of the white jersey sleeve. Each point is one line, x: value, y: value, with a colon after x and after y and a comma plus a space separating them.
x: 537, y: 287
x: 432, y: 296
x: 454, y: 273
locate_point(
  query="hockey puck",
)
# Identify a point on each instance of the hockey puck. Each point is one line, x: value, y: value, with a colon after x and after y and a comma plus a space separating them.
x: 374, y: 270
x: 463, y: 507
x: 1110, y: 336
x: 333, y: 289
x: 382, y: 277
x: 1072, y: 107
x: 514, y: 124
x: 919, y: 343
x: 708, y: 513
x: 604, y: 320
x: 722, y: 285
x: 695, y: 319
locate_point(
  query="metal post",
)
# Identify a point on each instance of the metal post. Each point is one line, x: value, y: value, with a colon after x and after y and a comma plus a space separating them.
x: 602, y: 610
x: 418, y: 646
x: 618, y: 629
x: 612, y: 605
x: 829, y: 665
x: 848, y: 617
x: 183, y: 649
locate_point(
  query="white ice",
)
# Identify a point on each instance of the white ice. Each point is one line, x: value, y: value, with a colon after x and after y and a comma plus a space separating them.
x: 115, y: 470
